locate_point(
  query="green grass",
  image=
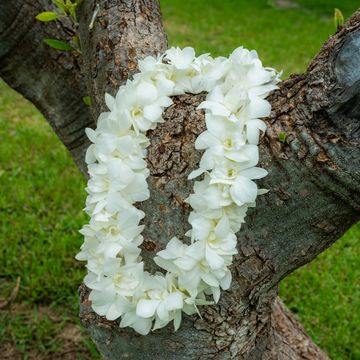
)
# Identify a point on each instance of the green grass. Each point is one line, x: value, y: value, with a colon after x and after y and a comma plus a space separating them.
x: 42, y: 193
x: 286, y: 39
x: 325, y: 295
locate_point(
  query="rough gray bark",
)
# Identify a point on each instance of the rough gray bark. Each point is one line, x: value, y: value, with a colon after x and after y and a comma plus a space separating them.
x: 124, y: 31
x: 313, y: 177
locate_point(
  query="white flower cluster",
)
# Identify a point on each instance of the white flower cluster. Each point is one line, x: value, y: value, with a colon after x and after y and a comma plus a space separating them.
x: 237, y: 87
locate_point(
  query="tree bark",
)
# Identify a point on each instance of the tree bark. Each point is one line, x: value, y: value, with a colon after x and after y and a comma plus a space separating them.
x: 124, y: 31
x: 50, y: 79
x: 313, y: 176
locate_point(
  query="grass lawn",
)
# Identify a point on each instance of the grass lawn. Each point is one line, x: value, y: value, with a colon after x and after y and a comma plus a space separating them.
x: 42, y: 193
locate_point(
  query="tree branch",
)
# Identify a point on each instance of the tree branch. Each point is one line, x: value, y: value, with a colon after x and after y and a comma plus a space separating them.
x: 290, y: 338
x: 50, y: 79
x: 319, y: 113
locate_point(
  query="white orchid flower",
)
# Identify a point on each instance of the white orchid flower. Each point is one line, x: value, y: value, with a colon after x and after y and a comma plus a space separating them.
x: 141, y: 105
x: 235, y: 104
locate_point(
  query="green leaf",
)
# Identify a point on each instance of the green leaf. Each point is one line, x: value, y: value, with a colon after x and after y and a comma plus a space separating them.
x: 72, y: 12
x: 68, y: 4
x: 338, y: 18
x: 70, y: 8
x: 282, y: 136
x: 47, y: 16
x: 87, y: 100
x: 76, y: 42
x: 58, y: 44
x: 60, y: 4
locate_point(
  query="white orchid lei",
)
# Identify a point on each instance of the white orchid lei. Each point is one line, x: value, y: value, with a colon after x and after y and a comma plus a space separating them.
x: 237, y: 87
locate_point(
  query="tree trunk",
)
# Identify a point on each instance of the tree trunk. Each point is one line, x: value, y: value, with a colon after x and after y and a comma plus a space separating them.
x: 313, y: 176
x: 50, y: 79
